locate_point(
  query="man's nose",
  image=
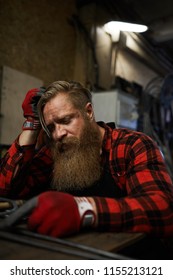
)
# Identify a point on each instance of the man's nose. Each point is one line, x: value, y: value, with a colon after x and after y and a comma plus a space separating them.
x: 59, y: 132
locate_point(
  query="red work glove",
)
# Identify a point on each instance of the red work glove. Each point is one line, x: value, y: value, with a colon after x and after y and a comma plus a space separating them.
x: 58, y: 214
x: 29, y: 107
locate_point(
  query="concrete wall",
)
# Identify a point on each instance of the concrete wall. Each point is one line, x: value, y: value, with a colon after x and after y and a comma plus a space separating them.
x: 37, y: 39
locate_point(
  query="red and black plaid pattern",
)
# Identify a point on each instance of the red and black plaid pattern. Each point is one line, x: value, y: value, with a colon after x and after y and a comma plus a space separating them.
x: 136, y: 166
x: 24, y: 171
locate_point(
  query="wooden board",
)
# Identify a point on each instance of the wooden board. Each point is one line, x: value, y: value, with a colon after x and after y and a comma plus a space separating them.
x: 110, y: 242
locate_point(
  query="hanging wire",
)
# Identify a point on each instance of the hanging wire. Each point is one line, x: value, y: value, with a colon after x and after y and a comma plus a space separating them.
x: 154, y: 121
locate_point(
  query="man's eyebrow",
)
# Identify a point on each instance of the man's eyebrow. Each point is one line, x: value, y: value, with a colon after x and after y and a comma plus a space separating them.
x: 65, y: 117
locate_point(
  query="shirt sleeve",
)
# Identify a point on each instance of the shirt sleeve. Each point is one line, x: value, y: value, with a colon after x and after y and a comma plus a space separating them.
x: 148, y: 204
x: 24, y: 172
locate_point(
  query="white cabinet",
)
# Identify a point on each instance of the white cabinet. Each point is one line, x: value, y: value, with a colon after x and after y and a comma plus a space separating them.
x: 116, y: 106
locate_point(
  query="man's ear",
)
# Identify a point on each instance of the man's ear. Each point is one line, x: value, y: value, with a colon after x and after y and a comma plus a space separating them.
x: 89, y: 111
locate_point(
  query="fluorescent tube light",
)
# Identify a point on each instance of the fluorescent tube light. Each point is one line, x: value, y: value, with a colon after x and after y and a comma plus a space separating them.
x: 112, y: 26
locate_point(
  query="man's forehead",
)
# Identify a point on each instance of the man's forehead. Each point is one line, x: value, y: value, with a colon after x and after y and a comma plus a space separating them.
x: 59, y: 108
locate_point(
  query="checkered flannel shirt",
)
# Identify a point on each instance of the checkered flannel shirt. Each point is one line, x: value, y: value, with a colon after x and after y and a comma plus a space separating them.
x: 137, y: 167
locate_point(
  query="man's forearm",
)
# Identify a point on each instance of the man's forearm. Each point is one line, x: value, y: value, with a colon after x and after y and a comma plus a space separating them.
x: 28, y: 137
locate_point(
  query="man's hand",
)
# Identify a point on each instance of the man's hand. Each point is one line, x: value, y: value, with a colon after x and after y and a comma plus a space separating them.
x: 29, y: 107
x: 30, y: 102
x: 58, y: 214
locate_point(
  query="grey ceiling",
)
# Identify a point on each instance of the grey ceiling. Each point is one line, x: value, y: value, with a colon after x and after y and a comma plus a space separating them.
x: 156, y: 14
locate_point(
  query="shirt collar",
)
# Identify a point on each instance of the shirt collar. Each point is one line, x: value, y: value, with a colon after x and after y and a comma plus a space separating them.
x: 107, y: 139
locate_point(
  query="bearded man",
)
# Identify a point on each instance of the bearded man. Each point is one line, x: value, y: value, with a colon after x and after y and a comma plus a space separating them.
x: 86, y: 173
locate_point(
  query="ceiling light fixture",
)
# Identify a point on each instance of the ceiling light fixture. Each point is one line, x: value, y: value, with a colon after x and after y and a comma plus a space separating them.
x: 113, y: 26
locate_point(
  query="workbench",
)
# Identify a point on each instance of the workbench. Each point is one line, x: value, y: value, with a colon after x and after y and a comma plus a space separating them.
x: 106, y: 242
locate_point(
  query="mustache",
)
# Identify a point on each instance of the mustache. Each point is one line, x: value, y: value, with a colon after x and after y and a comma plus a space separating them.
x: 65, y: 144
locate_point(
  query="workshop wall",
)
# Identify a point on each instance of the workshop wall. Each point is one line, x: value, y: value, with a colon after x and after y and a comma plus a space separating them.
x: 37, y: 38
x: 44, y: 39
